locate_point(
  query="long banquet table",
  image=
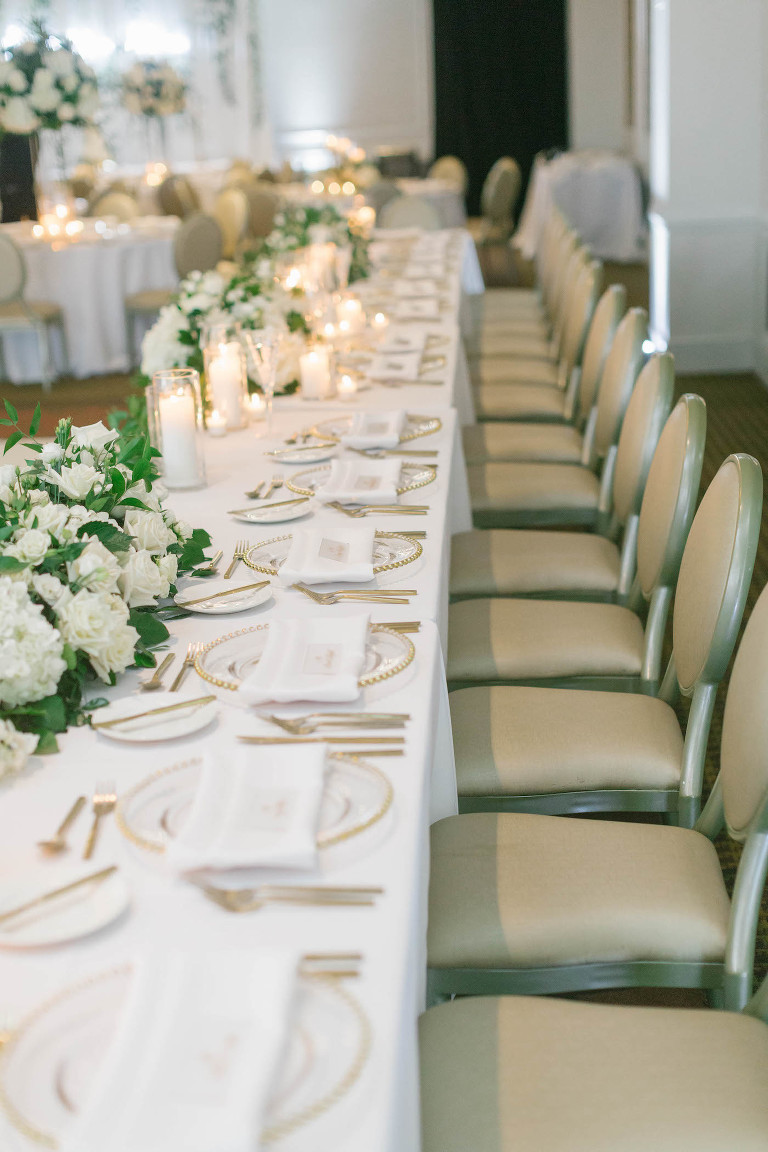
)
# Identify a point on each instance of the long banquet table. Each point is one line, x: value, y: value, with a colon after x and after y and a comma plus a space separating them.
x: 380, y: 1113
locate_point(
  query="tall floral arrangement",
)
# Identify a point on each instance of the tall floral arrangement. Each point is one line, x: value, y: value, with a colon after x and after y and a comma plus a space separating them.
x: 153, y: 88
x: 88, y: 552
x: 298, y: 226
x: 45, y: 84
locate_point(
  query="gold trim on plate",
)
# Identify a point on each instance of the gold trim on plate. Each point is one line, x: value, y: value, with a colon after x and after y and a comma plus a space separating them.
x: 431, y: 468
x: 378, y: 568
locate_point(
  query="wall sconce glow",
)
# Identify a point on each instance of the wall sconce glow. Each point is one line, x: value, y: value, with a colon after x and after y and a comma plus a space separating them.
x: 91, y: 45
x: 13, y: 35
x: 148, y: 39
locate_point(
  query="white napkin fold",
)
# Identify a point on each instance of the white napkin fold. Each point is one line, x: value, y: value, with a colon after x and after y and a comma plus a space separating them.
x: 402, y: 366
x: 259, y: 808
x: 423, y: 308
x: 424, y: 270
x: 361, y: 482
x: 397, y: 340
x: 315, y: 658
x: 414, y: 288
x: 195, y: 1055
x: 323, y: 556
x: 375, y: 429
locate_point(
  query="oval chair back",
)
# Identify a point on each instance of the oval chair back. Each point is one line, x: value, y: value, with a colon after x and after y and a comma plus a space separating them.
x: 380, y: 194
x: 575, y: 266
x: 711, y: 592
x: 505, y: 167
x: 262, y: 209
x: 177, y: 197
x: 13, y: 271
x: 566, y: 247
x: 197, y: 245
x: 115, y: 203
x: 409, y: 212
x: 502, y: 199
x: 622, y: 365
x: 578, y: 316
x: 231, y: 214
x: 545, y: 254
x: 452, y: 170
x: 607, y: 316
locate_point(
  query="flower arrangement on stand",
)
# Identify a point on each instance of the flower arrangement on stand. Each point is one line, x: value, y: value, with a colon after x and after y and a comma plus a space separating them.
x: 44, y: 84
x: 155, y: 90
x: 87, y: 554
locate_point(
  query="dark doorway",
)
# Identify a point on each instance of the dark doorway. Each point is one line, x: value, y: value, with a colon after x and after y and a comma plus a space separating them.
x: 500, y: 82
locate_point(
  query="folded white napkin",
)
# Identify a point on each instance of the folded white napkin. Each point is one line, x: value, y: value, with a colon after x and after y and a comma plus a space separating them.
x: 361, y: 482
x: 375, y: 429
x: 195, y: 1055
x: 257, y: 808
x: 424, y: 270
x: 323, y: 556
x: 407, y: 289
x: 423, y: 308
x: 398, y: 339
x: 315, y: 658
x: 401, y: 366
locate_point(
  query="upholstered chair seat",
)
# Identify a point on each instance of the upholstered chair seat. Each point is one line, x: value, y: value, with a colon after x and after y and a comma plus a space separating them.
x: 522, y: 562
x: 520, y: 1074
x: 527, y: 369
x: 496, y: 334
x: 527, y: 402
x: 499, y: 349
x: 513, y: 494
x: 553, y: 443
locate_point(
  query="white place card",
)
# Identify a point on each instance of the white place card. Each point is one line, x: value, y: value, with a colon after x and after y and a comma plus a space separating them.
x: 425, y: 309
x: 400, y: 367
x: 398, y: 340
x: 406, y: 289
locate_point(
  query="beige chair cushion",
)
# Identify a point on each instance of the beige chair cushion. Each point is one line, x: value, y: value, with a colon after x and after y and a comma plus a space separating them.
x: 501, y: 301
x: 525, y: 324
x: 519, y: 402
x: 516, y: 561
x: 513, y: 487
x: 16, y: 315
x: 529, y: 1074
x: 150, y: 301
x: 512, y: 890
x: 541, y: 639
x: 529, y: 346
x: 554, y: 443
x: 524, y: 741
x: 521, y: 370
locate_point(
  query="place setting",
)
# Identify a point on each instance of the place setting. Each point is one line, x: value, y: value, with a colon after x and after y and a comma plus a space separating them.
x: 362, y: 481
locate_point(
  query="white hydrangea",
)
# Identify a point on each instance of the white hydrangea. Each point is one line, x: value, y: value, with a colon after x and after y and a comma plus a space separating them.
x: 97, y: 624
x: 161, y: 347
x: 15, y: 748
x: 31, y: 663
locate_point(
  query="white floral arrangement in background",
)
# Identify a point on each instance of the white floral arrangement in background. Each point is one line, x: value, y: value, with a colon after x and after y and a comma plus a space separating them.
x: 87, y: 552
x: 45, y: 84
x: 153, y: 88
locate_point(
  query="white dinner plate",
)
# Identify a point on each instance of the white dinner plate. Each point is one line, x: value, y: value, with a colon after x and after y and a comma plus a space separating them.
x: 66, y: 917
x: 169, y: 726
x: 274, y: 515
x: 224, y: 606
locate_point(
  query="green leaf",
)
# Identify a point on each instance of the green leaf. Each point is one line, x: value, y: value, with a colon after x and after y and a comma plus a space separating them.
x: 11, y: 411
x: 151, y: 630
x: 46, y: 743
x: 144, y: 660
x: 97, y: 702
x: 34, y: 447
x: 11, y: 564
x: 35, y: 420
x: 12, y: 440
x: 112, y: 538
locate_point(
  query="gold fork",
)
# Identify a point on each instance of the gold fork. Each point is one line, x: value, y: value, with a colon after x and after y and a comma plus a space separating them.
x: 370, y: 509
x: 251, y: 899
x: 241, y: 551
x: 337, y: 597
x: 192, y: 651
x: 306, y: 725
x: 104, y: 800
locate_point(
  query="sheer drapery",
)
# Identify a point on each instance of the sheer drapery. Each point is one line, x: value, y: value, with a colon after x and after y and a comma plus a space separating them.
x: 214, y: 44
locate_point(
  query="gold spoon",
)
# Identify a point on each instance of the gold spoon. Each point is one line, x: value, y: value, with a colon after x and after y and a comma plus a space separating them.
x: 58, y: 842
x: 156, y: 681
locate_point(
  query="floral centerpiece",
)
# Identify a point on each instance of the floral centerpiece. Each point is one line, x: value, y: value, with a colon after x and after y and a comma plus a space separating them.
x: 153, y: 88
x: 45, y: 84
x: 297, y: 227
x: 87, y: 553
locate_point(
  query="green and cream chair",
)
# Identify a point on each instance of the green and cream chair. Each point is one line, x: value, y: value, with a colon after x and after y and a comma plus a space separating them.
x: 574, y: 565
x: 519, y: 494
x: 533, y: 905
x: 562, y: 752
x: 565, y: 644
x: 562, y: 394
x: 504, y: 303
x: 500, y: 191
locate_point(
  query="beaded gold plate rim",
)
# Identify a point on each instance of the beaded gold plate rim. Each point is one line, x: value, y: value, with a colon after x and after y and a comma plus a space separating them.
x: 268, y: 570
x: 364, y: 682
x: 294, y: 487
x: 270, y: 1134
x: 327, y: 840
x: 415, y: 433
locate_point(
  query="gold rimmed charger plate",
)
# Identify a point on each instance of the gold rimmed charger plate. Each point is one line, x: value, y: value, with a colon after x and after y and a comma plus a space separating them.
x: 415, y: 428
x: 387, y: 653
x: 420, y: 475
x: 408, y: 551
x: 49, y: 1061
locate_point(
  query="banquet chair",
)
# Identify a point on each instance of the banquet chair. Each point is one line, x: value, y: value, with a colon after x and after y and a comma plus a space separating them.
x: 263, y: 203
x: 561, y: 752
x: 497, y: 203
x: 20, y: 315
x: 380, y: 194
x: 524, y: 494
x: 197, y: 247
x: 557, y: 644
x: 177, y: 197
x: 409, y: 212
x: 231, y: 214
x: 451, y: 169
x: 503, y: 304
x: 561, y: 398
x: 115, y: 203
x: 575, y: 565
x: 524, y: 903
x: 238, y: 170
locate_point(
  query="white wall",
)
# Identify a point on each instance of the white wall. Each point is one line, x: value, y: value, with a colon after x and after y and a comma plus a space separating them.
x: 597, y: 73
x: 357, y: 68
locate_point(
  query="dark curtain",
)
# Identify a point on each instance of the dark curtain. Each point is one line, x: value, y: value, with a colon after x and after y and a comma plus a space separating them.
x: 17, y: 178
x: 500, y: 82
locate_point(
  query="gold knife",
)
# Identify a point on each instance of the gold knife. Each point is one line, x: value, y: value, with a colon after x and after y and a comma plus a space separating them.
x: 227, y: 592
x: 93, y: 878
x: 322, y: 739
x: 279, y: 504
x: 154, y: 712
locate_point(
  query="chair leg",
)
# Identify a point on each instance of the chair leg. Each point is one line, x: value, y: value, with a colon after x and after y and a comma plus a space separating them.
x: 46, y: 365
x: 3, y: 368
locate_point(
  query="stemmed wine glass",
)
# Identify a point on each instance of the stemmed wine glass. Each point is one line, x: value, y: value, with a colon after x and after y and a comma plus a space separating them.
x: 263, y: 347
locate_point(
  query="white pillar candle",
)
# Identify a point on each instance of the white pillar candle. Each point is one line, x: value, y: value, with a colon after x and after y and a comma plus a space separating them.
x: 225, y: 383
x: 257, y: 406
x: 346, y: 385
x: 178, y: 433
x: 351, y: 310
x: 379, y: 322
x: 315, y: 370
x: 217, y: 423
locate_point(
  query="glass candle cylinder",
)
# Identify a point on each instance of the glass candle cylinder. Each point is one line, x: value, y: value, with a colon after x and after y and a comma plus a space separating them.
x: 315, y: 370
x: 350, y: 310
x: 177, y: 422
x: 226, y: 375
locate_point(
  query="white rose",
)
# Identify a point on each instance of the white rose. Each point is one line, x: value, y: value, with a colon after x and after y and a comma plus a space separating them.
x: 51, y: 590
x: 75, y: 481
x: 48, y: 518
x: 96, y: 436
x: 142, y: 582
x: 88, y: 102
x: 37, y: 497
x: 8, y: 473
x: 96, y: 568
x: 66, y: 112
x: 18, y: 117
x: 70, y: 83
x: 5, y: 494
x: 61, y: 62
x: 44, y: 97
x: 32, y: 546
x: 17, y: 80
x: 149, y: 529
x: 183, y: 530
x: 169, y: 566
x: 139, y: 492
x: 15, y: 748
x: 97, y: 624
x: 51, y: 452
x: 31, y: 664
x: 28, y: 48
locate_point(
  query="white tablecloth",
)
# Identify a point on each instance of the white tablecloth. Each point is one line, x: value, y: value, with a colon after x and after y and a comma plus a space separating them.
x: 600, y: 194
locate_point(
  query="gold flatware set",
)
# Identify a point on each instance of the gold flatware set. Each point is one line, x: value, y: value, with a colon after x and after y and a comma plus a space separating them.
x: 374, y: 596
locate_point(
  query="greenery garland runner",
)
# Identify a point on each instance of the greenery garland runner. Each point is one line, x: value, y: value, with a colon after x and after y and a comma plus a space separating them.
x: 89, y: 557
